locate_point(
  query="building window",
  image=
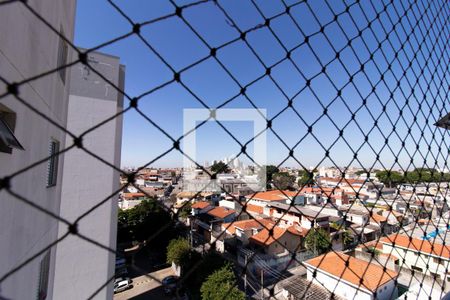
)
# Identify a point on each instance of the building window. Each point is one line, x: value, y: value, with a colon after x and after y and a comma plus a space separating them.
x: 52, y: 167
x: 438, y: 261
x: 43, y: 277
x: 62, y: 56
x: 417, y: 269
x: 8, y: 140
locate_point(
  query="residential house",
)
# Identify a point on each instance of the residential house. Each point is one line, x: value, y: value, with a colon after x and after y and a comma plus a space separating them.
x: 206, y: 221
x: 262, y: 198
x: 278, y: 240
x: 242, y: 230
x: 298, y: 287
x: 386, y: 226
x: 351, y: 278
x: 296, y: 215
x: 423, y: 256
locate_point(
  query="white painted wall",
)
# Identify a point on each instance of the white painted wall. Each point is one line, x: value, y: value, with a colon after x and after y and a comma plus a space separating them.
x: 28, y: 48
x: 348, y: 291
x: 420, y: 260
x: 340, y: 288
x: 81, y: 267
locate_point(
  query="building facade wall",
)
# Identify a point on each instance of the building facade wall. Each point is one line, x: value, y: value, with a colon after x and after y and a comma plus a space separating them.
x: 81, y: 267
x: 414, y: 259
x: 28, y: 48
x: 340, y: 288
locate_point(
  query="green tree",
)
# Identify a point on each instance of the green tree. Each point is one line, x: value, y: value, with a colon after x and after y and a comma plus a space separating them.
x: 390, y: 178
x: 267, y: 172
x: 283, y: 181
x: 221, y: 285
x: 306, y: 178
x: 220, y: 167
x: 142, y: 221
x: 374, y: 251
x: 178, y: 251
x: 204, y: 266
x: 185, y: 210
x: 347, y: 238
x: 360, y: 172
x: 318, y: 240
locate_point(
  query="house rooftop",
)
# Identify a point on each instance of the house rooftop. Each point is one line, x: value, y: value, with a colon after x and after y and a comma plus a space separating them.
x: 275, y: 195
x: 377, y: 218
x: 193, y: 194
x: 133, y: 195
x: 358, y: 272
x: 264, y: 237
x: 424, y: 246
x: 254, y: 209
x: 200, y: 205
x: 301, y: 288
x: 247, y: 224
x: 220, y: 212
x: 300, y: 210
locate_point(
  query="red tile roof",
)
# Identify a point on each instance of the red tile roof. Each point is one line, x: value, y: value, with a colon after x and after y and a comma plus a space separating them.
x: 372, y: 275
x: 343, y: 180
x: 133, y: 195
x: 200, y: 204
x: 247, y: 224
x: 220, y: 212
x: 414, y: 244
x: 264, y: 237
x: 376, y: 218
x: 267, y: 196
x: 255, y: 208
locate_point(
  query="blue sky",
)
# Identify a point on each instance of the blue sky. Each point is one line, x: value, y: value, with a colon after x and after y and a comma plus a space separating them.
x: 97, y: 22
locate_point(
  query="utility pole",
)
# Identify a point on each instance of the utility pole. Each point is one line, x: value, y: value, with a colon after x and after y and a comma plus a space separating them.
x: 245, y: 276
x: 262, y: 284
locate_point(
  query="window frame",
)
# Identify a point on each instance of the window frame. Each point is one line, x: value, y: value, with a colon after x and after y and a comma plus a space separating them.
x: 63, y: 52
x: 44, y: 274
x: 53, y: 163
x: 9, y: 141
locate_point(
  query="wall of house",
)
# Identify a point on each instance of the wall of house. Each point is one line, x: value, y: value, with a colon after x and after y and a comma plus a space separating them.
x: 339, y: 287
x: 81, y: 267
x: 357, y: 219
x: 127, y: 204
x: 419, y: 260
x: 287, y: 241
x: 379, y: 259
x: 28, y: 48
x: 287, y: 217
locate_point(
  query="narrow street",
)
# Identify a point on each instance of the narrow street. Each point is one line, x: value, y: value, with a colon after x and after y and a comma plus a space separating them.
x: 147, y: 286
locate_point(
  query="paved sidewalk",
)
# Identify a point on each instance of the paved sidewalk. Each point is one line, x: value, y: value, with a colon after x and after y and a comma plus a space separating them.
x: 147, y: 286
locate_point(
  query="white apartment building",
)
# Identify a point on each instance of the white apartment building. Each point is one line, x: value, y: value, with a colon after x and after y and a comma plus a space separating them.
x: 81, y: 267
x: 28, y: 48
x: 65, y: 185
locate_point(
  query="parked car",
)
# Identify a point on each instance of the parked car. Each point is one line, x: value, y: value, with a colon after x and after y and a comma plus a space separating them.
x: 119, y: 279
x: 170, y: 283
x: 121, y: 286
